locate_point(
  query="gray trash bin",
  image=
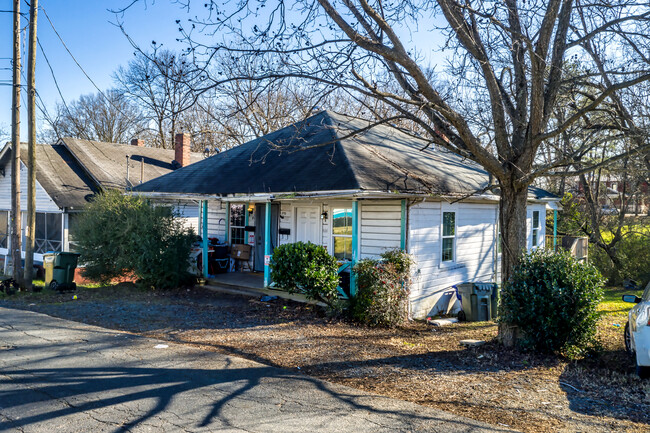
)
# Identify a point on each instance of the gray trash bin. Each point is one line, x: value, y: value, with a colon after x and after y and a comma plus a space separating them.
x: 478, y: 300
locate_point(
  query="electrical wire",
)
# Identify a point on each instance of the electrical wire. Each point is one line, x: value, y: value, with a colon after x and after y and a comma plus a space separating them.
x: 79, y: 65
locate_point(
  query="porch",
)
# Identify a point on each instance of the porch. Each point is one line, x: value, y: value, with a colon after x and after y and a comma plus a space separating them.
x: 250, y: 284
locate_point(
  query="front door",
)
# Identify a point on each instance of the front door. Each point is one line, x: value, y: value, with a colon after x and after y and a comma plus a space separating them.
x: 308, y: 224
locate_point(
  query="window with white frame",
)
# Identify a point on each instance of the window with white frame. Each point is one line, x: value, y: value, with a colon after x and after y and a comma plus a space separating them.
x: 4, y: 228
x: 342, y: 233
x: 237, y: 223
x: 535, y: 231
x: 448, y: 237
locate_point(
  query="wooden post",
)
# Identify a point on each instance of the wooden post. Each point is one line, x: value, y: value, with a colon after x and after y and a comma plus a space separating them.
x: 15, y: 151
x: 31, y: 150
x: 355, y: 247
x: 204, y: 206
x: 267, y: 245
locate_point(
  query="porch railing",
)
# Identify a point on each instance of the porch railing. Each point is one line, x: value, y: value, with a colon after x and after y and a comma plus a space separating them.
x: 577, y: 246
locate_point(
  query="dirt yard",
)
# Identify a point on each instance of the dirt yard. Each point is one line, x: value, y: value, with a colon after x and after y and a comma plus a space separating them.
x: 417, y: 362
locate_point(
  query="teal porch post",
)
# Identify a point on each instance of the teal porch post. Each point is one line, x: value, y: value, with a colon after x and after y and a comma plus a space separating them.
x: 554, y: 230
x: 267, y: 244
x: 204, y: 208
x: 225, y: 236
x: 355, y: 247
x: 402, y: 233
x: 246, y: 222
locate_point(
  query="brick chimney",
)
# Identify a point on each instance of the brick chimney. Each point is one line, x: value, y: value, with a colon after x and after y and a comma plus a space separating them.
x: 137, y: 142
x: 182, y: 149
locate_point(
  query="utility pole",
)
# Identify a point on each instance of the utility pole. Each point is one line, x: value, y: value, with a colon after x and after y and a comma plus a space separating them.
x: 15, y: 151
x: 31, y: 149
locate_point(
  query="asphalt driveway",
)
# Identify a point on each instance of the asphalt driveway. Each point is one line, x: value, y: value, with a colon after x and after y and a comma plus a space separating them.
x: 57, y: 375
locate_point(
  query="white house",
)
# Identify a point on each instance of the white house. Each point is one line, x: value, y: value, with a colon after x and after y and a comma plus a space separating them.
x: 69, y: 173
x: 332, y: 181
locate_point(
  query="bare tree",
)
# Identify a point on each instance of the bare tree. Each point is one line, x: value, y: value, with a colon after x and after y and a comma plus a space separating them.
x: 508, y: 56
x: 160, y: 83
x: 493, y: 104
x: 108, y: 117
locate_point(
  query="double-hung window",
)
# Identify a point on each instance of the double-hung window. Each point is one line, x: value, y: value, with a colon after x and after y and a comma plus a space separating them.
x: 535, y: 231
x: 237, y: 223
x: 342, y: 233
x: 448, y: 237
x: 4, y: 228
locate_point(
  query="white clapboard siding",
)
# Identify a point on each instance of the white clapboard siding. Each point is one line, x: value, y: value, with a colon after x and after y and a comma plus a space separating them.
x: 326, y: 238
x: 287, y: 222
x: 432, y: 290
x: 189, y: 212
x: 380, y: 228
x: 43, y: 201
x: 216, y: 220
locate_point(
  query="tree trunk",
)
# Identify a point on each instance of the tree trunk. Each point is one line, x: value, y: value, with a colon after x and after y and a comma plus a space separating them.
x: 15, y: 152
x: 512, y: 220
x: 31, y: 160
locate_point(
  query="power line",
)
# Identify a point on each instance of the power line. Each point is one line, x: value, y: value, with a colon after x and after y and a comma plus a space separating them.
x: 69, y: 52
x: 79, y: 65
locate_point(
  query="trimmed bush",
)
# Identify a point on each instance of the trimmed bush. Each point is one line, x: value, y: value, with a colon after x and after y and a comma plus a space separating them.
x: 383, y: 288
x: 122, y: 235
x: 308, y: 269
x: 552, y: 299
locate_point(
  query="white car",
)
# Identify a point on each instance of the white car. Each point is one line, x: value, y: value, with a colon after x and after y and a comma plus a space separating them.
x: 637, y: 331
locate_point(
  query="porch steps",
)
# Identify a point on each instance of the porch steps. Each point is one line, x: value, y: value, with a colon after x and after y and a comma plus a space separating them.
x: 255, y: 292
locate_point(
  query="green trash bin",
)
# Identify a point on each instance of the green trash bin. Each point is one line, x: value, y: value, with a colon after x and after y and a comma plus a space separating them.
x: 59, y: 270
x: 478, y: 300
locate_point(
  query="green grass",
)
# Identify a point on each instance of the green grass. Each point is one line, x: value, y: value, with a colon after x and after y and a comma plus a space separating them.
x: 613, y: 305
x: 635, y: 228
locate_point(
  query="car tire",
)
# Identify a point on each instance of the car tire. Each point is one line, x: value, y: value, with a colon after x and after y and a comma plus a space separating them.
x: 628, y: 340
x: 643, y: 371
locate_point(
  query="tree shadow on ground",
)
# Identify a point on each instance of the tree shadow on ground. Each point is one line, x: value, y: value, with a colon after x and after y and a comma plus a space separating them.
x: 104, y: 387
x: 605, y: 385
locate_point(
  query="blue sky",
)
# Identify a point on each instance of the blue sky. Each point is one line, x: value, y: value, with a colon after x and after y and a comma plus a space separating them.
x: 86, y: 27
x: 99, y: 46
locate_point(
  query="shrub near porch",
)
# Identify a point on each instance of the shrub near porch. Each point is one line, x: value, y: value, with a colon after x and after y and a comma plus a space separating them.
x: 383, y: 290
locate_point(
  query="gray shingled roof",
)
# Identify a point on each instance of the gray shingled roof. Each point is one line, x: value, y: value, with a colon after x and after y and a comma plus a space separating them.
x: 61, y: 176
x: 72, y: 170
x: 106, y: 162
x: 325, y: 153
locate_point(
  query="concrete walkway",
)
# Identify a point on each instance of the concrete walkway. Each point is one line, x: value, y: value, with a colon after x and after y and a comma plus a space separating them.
x: 57, y: 375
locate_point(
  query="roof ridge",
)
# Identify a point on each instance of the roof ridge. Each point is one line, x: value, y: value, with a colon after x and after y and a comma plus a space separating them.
x: 108, y: 143
x: 334, y: 132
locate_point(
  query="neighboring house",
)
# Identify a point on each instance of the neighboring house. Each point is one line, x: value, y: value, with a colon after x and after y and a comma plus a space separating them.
x: 612, y: 192
x: 357, y: 191
x: 70, y: 172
